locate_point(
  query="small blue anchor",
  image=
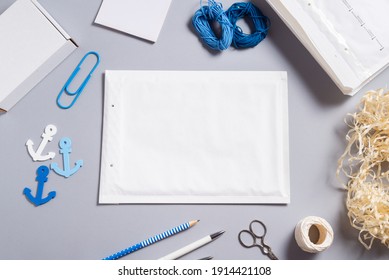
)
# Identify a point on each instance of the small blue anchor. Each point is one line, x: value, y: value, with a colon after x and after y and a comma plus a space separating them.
x: 65, y: 149
x: 42, y: 172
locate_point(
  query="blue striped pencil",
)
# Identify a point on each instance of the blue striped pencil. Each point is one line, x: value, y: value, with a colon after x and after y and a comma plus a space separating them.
x: 152, y: 240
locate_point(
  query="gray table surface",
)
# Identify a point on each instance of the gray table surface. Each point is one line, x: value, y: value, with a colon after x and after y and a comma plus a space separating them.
x: 75, y: 226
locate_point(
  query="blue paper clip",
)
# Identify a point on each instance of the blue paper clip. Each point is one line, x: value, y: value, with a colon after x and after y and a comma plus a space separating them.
x: 78, y: 92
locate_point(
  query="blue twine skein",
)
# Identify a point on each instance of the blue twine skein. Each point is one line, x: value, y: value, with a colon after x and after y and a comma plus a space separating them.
x: 201, y: 22
x: 261, y: 24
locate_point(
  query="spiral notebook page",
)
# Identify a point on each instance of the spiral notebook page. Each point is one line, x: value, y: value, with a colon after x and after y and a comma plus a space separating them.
x: 195, y: 137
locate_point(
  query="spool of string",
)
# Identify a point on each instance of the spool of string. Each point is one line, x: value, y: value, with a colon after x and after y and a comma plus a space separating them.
x: 313, y: 234
x: 260, y: 24
x: 201, y: 21
x: 231, y: 33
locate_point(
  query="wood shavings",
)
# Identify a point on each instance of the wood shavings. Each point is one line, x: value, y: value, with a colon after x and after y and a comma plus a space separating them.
x: 365, y: 163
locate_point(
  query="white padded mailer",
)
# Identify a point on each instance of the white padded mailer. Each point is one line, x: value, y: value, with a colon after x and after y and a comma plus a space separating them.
x: 195, y: 137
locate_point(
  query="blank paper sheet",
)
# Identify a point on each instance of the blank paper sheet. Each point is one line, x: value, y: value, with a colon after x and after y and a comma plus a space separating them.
x: 142, y: 18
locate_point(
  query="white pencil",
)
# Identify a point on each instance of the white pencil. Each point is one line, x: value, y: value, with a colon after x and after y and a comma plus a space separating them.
x: 193, y: 246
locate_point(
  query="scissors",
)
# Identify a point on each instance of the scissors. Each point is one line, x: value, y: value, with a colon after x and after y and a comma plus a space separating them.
x: 257, y: 231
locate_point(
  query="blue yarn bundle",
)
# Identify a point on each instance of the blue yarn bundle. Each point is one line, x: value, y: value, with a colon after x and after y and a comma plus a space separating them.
x: 201, y: 22
x: 261, y: 24
x: 230, y: 32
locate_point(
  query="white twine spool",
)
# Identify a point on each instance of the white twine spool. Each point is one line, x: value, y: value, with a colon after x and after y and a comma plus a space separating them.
x: 313, y: 234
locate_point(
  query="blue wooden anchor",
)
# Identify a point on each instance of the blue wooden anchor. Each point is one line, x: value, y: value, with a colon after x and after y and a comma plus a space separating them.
x: 42, y: 173
x: 65, y: 149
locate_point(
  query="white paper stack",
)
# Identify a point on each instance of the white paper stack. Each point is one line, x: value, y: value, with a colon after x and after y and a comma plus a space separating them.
x: 195, y: 137
x: 348, y: 38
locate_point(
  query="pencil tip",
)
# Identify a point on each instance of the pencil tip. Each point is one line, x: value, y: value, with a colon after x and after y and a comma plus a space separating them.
x: 207, y: 258
x: 217, y: 234
x: 192, y: 223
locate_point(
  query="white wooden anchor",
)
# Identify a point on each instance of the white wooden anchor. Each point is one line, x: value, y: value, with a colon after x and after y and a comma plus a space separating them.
x: 47, y: 137
x: 65, y: 149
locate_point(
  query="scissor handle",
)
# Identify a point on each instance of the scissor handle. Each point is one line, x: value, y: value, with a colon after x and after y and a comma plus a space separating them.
x: 244, y: 244
x: 255, y: 232
x: 265, y: 249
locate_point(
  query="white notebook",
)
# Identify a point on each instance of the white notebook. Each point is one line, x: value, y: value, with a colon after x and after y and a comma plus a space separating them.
x: 348, y: 38
x: 195, y: 137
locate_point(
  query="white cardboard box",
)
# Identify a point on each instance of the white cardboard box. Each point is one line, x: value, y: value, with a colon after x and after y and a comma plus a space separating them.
x: 348, y: 38
x: 32, y: 45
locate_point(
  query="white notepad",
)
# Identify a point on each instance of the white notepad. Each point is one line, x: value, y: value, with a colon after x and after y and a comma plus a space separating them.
x: 142, y: 18
x: 195, y: 137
